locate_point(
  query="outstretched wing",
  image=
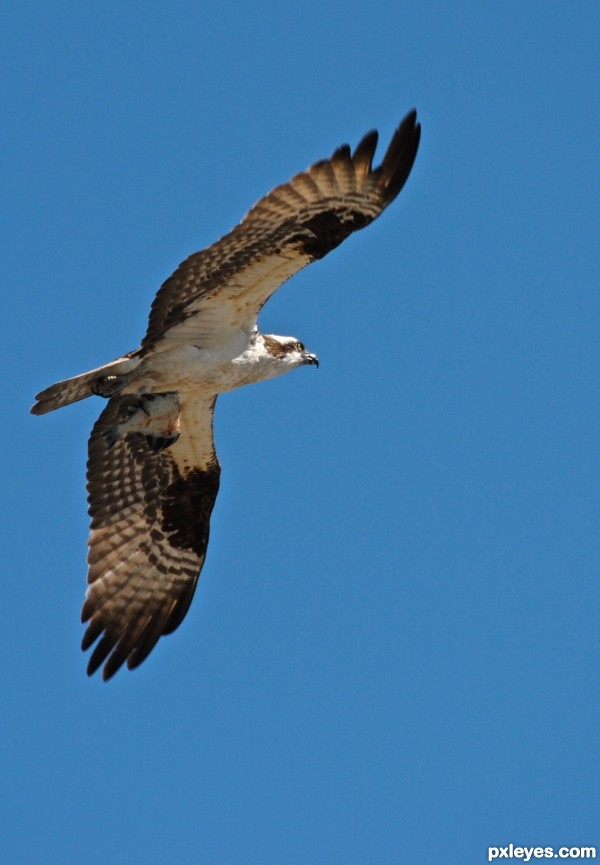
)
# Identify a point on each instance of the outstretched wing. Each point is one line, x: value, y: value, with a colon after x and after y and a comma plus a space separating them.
x: 222, y: 288
x: 150, y: 516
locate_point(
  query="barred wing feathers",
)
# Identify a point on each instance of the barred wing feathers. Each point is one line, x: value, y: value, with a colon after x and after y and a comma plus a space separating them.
x: 150, y: 515
x: 223, y: 287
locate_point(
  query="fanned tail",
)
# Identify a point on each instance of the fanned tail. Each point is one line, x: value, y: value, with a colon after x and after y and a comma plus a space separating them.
x: 97, y: 381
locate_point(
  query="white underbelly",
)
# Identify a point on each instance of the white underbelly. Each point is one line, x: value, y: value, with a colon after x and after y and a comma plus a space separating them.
x: 190, y: 369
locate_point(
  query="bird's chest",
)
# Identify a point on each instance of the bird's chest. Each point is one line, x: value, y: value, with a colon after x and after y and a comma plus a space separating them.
x: 201, y: 370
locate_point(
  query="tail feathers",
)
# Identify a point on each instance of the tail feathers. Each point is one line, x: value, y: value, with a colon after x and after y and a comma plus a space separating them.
x: 84, y: 385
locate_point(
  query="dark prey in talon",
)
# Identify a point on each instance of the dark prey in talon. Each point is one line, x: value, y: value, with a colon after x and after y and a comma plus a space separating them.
x: 155, y: 416
x: 153, y: 472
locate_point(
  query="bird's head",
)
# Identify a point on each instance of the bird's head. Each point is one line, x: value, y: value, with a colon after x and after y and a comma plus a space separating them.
x: 288, y: 351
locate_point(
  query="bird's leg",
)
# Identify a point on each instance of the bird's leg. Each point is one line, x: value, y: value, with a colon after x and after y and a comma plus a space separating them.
x: 159, y: 443
x: 108, y: 385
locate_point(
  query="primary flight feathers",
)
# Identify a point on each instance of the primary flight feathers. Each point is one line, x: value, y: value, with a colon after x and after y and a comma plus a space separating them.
x: 153, y: 473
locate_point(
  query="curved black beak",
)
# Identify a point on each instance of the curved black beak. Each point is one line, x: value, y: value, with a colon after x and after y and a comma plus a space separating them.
x: 311, y: 359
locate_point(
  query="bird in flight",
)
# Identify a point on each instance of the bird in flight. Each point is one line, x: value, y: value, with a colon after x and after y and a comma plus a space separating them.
x: 152, y: 471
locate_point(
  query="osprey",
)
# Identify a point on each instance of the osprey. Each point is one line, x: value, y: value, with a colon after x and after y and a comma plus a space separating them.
x: 152, y: 471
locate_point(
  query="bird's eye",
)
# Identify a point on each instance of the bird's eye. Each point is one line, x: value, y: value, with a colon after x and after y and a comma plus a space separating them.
x: 299, y: 346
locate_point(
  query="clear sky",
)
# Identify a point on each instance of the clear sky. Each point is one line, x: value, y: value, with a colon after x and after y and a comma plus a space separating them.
x: 393, y: 653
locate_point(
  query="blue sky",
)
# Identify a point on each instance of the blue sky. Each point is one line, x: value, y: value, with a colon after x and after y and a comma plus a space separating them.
x: 393, y: 652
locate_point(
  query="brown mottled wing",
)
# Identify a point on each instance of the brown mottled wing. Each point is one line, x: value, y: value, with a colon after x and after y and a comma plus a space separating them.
x: 222, y: 288
x: 149, y: 530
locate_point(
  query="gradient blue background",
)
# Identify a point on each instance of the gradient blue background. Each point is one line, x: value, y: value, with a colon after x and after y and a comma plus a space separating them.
x: 393, y: 652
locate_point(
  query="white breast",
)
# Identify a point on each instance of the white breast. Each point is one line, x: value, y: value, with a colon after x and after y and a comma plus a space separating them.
x: 188, y: 369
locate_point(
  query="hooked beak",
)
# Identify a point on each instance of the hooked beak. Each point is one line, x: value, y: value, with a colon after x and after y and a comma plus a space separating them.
x: 311, y: 359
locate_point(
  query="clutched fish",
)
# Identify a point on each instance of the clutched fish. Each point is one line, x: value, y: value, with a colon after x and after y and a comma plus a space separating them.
x: 155, y: 416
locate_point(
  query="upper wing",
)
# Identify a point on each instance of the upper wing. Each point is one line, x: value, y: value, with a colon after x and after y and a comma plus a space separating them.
x: 150, y: 516
x: 223, y: 287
